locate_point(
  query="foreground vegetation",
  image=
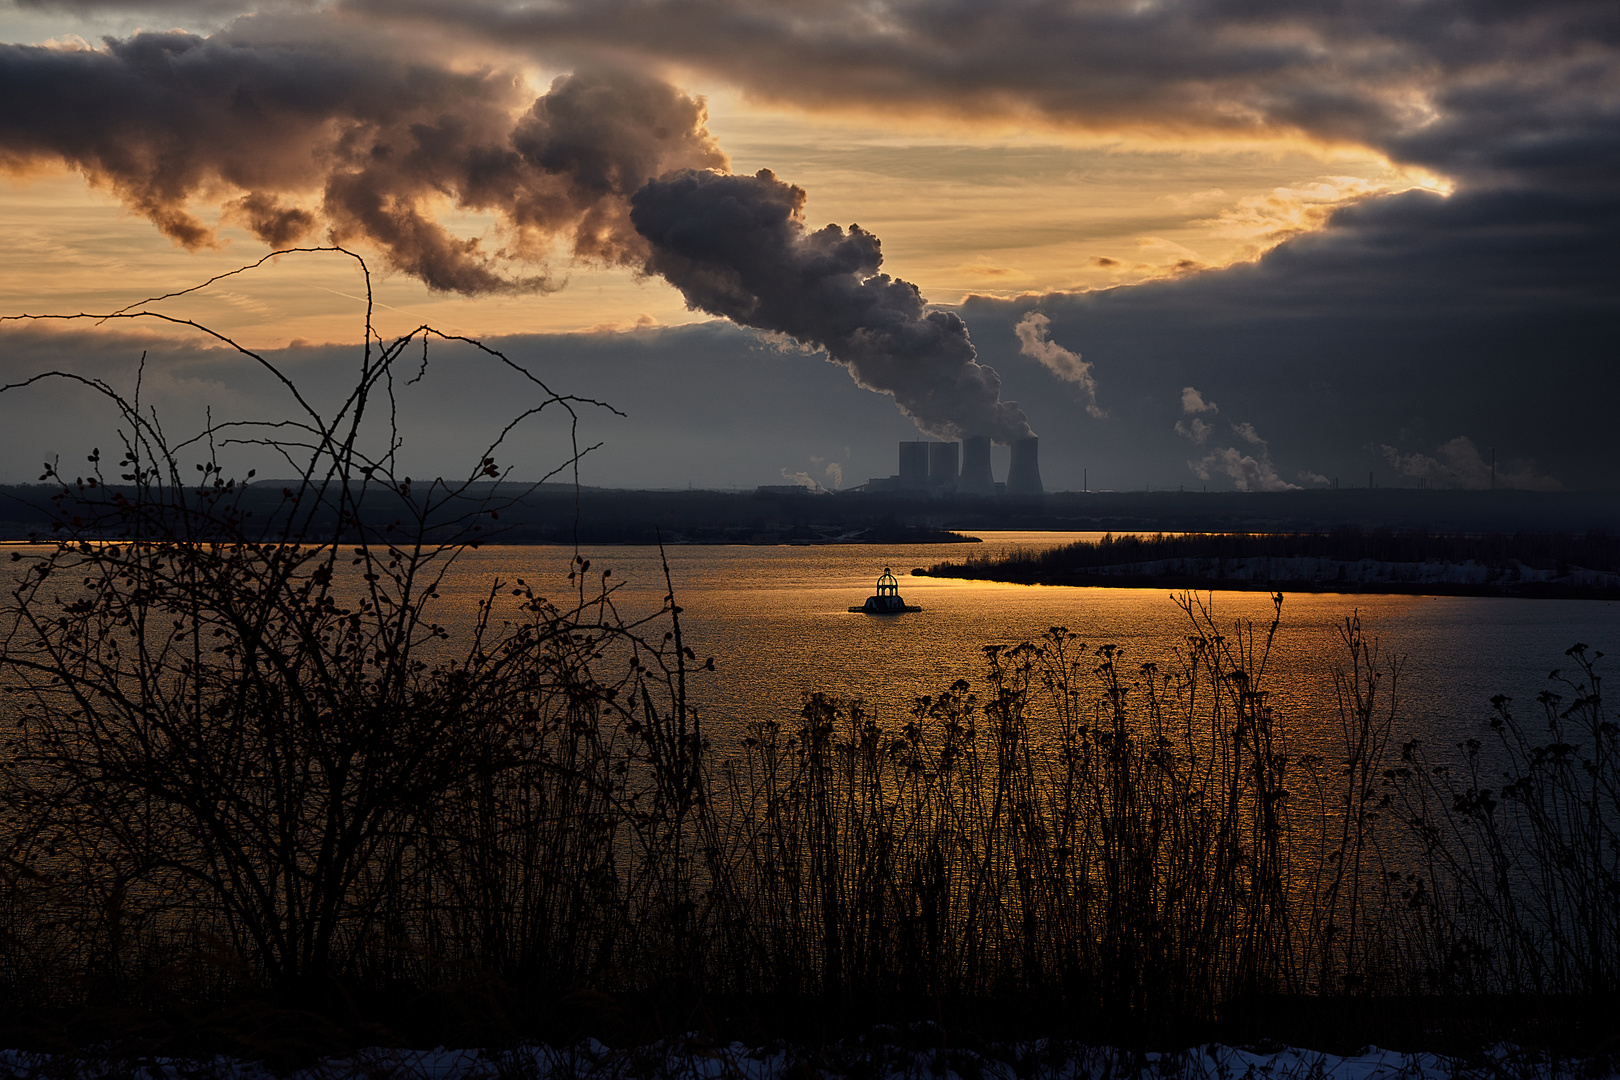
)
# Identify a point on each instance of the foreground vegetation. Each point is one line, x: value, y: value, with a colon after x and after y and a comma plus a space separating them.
x: 251, y: 786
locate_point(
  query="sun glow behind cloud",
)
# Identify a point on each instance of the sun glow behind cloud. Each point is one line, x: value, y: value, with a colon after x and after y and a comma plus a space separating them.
x: 971, y: 217
x: 1008, y: 151
x: 962, y: 208
x: 994, y: 210
x: 71, y: 251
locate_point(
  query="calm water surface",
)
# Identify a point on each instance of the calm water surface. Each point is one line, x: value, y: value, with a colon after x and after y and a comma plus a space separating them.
x: 776, y: 621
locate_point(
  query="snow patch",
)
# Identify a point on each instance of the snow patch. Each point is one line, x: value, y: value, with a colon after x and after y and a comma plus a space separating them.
x: 694, y: 1059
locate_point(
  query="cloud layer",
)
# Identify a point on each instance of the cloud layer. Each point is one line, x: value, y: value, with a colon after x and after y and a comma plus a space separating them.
x: 296, y: 137
x: 1467, y: 86
x: 617, y: 168
x: 737, y: 246
x: 1397, y: 335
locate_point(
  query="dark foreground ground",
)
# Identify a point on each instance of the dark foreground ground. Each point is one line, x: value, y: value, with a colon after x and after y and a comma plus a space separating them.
x: 587, y: 1034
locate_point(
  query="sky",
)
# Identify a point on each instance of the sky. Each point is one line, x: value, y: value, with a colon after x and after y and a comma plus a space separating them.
x: 1231, y: 244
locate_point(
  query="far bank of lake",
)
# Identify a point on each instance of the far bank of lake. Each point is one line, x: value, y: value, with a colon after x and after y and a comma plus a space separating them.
x: 1533, y: 565
x: 564, y: 514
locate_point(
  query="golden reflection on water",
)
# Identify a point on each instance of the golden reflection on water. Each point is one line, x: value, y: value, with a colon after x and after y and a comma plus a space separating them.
x: 776, y: 620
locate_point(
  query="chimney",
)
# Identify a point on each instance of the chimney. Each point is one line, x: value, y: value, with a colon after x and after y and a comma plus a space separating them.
x: 913, y: 466
x: 976, y: 478
x: 1024, y: 474
x: 942, y: 466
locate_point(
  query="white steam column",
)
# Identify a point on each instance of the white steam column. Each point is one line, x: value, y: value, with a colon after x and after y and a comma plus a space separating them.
x: 976, y: 478
x: 1024, y: 474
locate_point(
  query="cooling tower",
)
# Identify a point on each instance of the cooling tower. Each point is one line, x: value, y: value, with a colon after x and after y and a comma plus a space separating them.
x: 1024, y: 474
x: 976, y: 478
x: 913, y: 465
x: 942, y: 466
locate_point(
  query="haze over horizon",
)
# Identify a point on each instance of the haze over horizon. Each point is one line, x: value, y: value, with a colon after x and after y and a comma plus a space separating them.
x: 1218, y: 243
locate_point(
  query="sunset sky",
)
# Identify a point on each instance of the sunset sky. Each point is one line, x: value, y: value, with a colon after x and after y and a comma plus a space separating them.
x: 1219, y: 244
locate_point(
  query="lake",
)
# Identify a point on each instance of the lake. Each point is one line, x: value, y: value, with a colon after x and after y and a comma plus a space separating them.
x: 776, y: 621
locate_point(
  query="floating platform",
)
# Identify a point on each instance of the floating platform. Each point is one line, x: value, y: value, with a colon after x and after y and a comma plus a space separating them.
x: 887, y: 601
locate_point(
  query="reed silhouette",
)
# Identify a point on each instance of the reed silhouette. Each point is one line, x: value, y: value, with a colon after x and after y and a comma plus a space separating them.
x: 241, y: 750
x: 244, y: 762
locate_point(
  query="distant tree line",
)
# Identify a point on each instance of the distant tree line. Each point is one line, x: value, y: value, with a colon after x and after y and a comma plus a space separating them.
x: 1556, y: 553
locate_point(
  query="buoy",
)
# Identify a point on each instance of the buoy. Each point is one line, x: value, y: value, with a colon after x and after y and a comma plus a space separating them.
x: 887, y: 601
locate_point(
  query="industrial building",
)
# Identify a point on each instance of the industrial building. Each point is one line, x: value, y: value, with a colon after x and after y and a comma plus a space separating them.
x: 932, y: 468
x: 1024, y: 474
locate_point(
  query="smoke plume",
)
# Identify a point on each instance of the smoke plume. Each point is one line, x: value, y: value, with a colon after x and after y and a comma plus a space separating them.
x: 1248, y: 472
x: 737, y: 246
x: 290, y: 138
x: 1192, y: 426
x: 368, y: 145
x: 1251, y: 471
x: 1459, y: 464
x: 1035, y: 341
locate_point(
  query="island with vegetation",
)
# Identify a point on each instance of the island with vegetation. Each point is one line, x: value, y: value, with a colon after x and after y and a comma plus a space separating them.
x: 1344, y: 560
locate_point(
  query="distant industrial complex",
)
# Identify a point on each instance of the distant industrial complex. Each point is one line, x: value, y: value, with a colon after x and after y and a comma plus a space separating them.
x: 932, y: 467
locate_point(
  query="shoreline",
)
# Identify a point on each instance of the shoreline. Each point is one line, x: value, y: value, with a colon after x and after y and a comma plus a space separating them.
x: 1524, y: 591
x: 1299, y: 576
x: 1345, y: 561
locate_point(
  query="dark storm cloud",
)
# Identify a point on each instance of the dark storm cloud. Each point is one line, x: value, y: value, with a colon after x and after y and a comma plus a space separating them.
x: 1492, y: 308
x: 1232, y: 66
x: 211, y: 10
x: 1488, y: 93
x: 737, y: 246
x: 370, y: 144
x: 277, y: 225
x: 1409, y: 322
x: 378, y: 144
x: 212, y: 7
x: 1418, y: 80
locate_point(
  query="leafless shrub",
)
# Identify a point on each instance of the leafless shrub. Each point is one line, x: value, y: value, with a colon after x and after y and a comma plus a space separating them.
x: 238, y: 737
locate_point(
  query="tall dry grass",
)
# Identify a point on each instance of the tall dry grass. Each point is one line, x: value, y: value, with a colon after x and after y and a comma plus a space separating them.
x: 243, y: 761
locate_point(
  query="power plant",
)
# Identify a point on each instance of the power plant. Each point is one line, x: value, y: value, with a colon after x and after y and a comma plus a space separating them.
x: 913, y: 466
x: 976, y: 478
x: 931, y: 467
x: 942, y: 458
x: 1024, y: 474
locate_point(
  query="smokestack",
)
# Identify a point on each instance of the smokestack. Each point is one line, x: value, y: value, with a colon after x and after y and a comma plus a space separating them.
x: 942, y: 466
x: 1024, y: 474
x: 976, y: 478
x: 913, y: 465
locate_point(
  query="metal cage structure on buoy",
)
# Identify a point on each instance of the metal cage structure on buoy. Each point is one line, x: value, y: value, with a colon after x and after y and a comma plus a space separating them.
x: 887, y: 600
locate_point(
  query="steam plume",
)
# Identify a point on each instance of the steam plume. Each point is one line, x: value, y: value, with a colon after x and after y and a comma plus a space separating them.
x: 367, y: 144
x: 1459, y: 464
x: 1035, y: 341
x: 737, y: 246
x: 289, y: 138
x: 1248, y: 472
